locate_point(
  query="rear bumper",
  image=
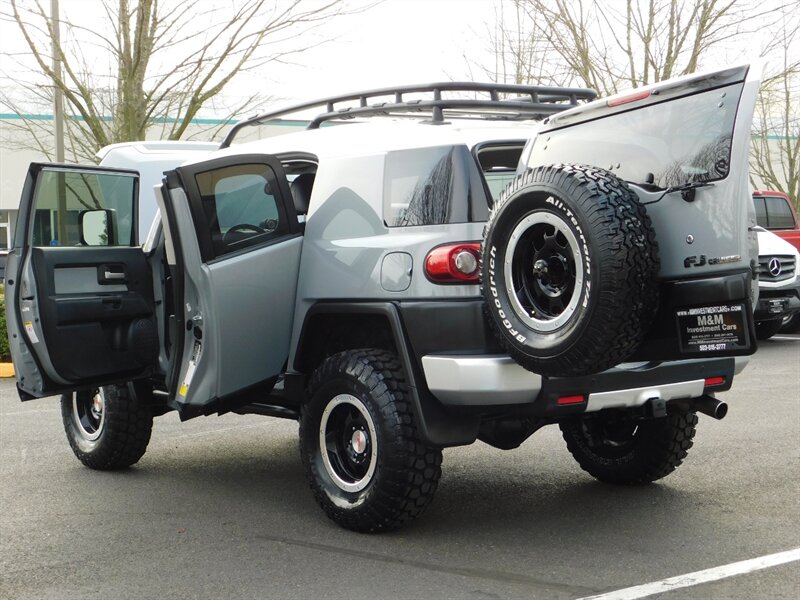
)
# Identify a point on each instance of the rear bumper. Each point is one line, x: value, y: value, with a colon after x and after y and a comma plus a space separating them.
x: 496, y: 380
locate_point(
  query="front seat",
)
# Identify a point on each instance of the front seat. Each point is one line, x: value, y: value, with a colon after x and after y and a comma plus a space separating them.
x: 301, y: 192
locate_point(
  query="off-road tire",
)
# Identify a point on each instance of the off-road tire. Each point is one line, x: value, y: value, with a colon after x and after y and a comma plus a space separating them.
x: 406, y: 471
x: 766, y: 329
x: 791, y: 324
x: 654, y: 450
x: 117, y: 440
x: 599, y: 292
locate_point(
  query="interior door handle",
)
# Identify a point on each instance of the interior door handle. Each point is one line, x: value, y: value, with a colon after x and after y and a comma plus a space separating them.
x: 111, y: 274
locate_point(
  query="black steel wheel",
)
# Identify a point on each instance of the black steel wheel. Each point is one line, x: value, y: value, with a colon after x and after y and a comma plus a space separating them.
x: 615, y: 447
x: 367, y: 466
x: 569, y: 270
x: 107, y: 427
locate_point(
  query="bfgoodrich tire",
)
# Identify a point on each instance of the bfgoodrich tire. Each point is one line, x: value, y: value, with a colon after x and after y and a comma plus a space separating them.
x: 366, y: 464
x: 616, y: 448
x: 569, y: 266
x: 108, y: 427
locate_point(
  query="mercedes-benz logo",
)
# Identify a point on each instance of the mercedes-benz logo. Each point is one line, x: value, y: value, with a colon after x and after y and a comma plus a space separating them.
x: 774, y: 267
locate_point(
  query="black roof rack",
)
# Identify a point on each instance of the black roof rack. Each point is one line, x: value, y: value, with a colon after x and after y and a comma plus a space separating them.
x: 532, y: 102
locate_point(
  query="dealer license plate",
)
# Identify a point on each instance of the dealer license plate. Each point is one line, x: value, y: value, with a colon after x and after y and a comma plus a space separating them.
x: 713, y: 329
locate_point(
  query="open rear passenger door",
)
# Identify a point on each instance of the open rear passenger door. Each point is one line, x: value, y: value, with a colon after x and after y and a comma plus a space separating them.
x: 233, y: 244
x: 79, y: 293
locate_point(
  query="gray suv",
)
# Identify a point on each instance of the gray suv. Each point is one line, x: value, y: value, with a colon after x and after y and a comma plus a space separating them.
x: 368, y: 278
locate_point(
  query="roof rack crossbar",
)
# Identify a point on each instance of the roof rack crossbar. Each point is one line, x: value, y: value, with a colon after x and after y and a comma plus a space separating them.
x: 557, y: 98
x: 468, y: 108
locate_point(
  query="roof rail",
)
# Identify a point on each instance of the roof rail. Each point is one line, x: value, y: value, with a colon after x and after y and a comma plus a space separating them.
x: 532, y: 102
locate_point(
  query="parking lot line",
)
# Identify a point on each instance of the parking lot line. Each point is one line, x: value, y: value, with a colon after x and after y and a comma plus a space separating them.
x: 698, y: 577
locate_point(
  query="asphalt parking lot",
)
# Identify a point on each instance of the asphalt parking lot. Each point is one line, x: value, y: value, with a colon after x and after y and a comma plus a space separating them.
x: 219, y: 508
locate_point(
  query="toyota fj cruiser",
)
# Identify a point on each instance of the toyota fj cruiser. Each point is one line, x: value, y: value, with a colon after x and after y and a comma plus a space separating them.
x: 361, y: 277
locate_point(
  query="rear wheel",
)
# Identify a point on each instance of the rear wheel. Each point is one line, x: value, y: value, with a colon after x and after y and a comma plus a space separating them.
x: 107, y: 427
x: 366, y: 464
x: 616, y: 448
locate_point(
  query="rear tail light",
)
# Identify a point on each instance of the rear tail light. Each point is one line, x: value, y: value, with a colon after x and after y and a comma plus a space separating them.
x: 454, y: 263
x: 714, y: 381
x: 567, y: 400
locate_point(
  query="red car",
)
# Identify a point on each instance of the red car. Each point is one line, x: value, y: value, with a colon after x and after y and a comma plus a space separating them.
x: 774, y: 211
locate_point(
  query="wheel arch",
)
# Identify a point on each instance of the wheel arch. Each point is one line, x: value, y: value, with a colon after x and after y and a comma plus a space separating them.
x: 332, y: 327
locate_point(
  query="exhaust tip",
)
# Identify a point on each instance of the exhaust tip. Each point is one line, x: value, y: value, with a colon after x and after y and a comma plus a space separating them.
x: 711, y: 407
x: 722, y: 410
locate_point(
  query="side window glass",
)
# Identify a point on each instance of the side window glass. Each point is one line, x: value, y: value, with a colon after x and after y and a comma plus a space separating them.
x: 82, y: 208
x: 498, y: 162
x: 779, y: 213
x: 240, y: 206
x: 761, y: 213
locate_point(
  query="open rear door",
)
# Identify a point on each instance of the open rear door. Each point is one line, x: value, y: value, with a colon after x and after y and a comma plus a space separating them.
x: 79, y: 293
x: 233, y: 241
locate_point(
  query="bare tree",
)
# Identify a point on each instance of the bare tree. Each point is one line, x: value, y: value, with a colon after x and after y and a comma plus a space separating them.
x: 616, y: 45
x: 775, y: 150
x: 147, y: 64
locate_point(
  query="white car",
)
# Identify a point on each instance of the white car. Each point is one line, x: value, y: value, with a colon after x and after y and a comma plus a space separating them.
x: 778, y: 283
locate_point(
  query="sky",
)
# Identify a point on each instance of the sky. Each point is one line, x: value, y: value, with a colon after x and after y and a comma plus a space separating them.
x: 394, y: 42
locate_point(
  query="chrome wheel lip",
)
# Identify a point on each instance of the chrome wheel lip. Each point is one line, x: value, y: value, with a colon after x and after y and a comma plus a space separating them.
x: 89, y: 414
x: 532, y: 219
x: 338, y: 480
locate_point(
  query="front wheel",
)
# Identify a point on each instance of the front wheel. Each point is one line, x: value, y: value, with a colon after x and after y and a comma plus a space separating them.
x: 365, y: 461
x: 791, y: 324
x: 766, y: 329
x: 107, y: 427
x: 616, y: 448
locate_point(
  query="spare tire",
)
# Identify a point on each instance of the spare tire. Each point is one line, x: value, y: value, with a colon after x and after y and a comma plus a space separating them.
x: 569, y: 268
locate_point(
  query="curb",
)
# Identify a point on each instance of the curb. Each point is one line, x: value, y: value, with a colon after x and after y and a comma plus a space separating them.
x: 6, y: 369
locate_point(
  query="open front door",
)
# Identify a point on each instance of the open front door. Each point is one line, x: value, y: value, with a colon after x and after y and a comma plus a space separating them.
x: 79, y: 294
x: 234, y: 242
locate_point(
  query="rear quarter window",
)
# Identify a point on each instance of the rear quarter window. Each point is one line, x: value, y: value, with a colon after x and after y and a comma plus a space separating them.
x: 433, y: 186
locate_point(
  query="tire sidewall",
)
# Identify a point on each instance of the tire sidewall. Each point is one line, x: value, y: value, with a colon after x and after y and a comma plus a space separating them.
x: 531, y: 199
x: 312, y: 418
x: 72, y: 428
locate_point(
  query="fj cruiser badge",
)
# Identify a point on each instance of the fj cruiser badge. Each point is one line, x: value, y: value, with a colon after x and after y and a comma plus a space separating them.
x: 699, y: 261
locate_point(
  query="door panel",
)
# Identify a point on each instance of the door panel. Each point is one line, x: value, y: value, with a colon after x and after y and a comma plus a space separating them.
x: 238, y: 242
x: 111, y: 325
x: 78, y: 314
x: 254, y: 297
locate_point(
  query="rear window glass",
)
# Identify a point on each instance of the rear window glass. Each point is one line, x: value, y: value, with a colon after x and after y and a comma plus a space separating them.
x: 779, y: 214
x: 667, y: 144
x: 433, y: 186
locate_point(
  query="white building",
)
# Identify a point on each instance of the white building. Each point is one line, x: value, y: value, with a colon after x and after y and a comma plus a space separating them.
x: 18, y: 150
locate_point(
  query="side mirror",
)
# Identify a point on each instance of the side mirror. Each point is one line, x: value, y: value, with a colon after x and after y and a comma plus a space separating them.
x: 98, y: 227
